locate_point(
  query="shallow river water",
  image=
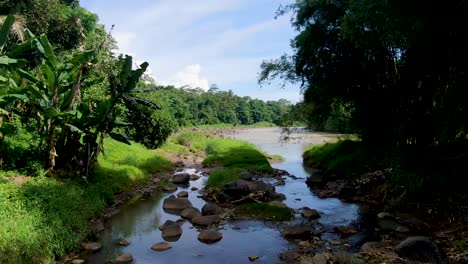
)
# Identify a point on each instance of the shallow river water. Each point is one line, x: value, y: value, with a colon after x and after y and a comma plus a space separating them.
x: 138, y: 222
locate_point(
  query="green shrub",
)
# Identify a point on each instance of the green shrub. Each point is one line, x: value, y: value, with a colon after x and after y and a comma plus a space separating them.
x: 236, y: 154
x: 220, y: 177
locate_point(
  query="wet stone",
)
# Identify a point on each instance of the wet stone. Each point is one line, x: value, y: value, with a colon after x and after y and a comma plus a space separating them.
x: 319, y: 259
x: 124, y: 243
x: 297, y: 231
x: 310, y: 213
x: 183, y: 194
x: 92, y: 246
x: 180, y: 178
x: 345, y: 231
x: 170, y: 187
x: 205, y: 220
x: 194, y: 189
x: 78, y: 261
x: 173, y: 203
x: 172, y: 232
x: 166, y: 224
x: 194, y: 177
x: 253, y: 258
x: 124, y: 258
x: 209, y: 236
x: 211, y: 209
x: 161, y: 246
x: 190, y: 213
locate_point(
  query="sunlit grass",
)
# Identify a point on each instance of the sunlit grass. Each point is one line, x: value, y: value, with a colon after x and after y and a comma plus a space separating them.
x: 46, y: 217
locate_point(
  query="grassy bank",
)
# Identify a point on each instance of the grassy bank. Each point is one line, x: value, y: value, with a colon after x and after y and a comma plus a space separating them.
x: 232, y: 156
x: 44, y: 217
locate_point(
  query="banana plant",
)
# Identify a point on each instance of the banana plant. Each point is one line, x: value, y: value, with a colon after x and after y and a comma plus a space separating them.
x: 55, y: 94
x: 123, y: 87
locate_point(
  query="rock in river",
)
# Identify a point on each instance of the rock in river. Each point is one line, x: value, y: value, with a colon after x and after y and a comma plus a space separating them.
x: 211, y: 209
x: 419, y: 248
x: 173, y: 203
x: 172, y: 232
x: 161, y: 246
x: 345, y: 231
x: 124, y: 258
x: 182, y: 194
x: 205, y: 220
x: 92, y: 246
x: 166, y: 224
x: 189, y: 213
x: 297, y: 231
x: 170, y: 187
x: 310, y: 213
x: 181, y: 178
x: 240, y: 188
x: 209, y: 236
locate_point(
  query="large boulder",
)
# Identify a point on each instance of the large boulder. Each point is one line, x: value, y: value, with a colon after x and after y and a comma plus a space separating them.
x: 172, y: 232
x: 211, y: 209
x: 419, y: 248
x: 297, y: 231
x: 310, y: 213
x: 166, y: 224
x: 189, y: 213
x: 239, y: 188
x: 174, y: 203
x: 205, y: 220
x: 209, y: 236
x: 181, y: 178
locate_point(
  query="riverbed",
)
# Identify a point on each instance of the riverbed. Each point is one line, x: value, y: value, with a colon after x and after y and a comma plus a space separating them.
x: 138, y: 221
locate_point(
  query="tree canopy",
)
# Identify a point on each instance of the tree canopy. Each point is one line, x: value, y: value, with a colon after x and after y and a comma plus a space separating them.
x: 397, y: 70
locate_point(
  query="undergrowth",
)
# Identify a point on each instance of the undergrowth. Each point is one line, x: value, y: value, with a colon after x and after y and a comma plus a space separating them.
x: 45, y: 217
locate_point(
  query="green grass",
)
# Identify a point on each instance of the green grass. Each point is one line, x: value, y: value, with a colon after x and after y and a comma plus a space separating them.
x: 45, y: 217
x: 229, y: 126
x: 264, y: 211
x: 345, y: 157
x: 220, y: 177
x: 235, y: 154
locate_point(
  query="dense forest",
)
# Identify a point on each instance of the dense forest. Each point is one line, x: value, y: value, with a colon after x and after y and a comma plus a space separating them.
x: 63, y: 90
x: 396, y: 70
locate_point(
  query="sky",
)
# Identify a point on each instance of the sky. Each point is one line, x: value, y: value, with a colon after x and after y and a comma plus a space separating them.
x: 203, y: 42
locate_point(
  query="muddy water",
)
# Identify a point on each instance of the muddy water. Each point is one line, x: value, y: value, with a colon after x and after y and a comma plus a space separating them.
x: 138, y: 222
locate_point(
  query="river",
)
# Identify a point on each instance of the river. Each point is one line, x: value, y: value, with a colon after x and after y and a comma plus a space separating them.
x: 138, y: 222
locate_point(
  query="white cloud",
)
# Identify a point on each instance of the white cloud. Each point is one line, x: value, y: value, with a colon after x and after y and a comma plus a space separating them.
x: 190, y: 76
x: 124, y: 42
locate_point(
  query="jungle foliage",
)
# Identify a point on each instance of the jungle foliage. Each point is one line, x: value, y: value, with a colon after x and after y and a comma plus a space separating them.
x: 397, y: 71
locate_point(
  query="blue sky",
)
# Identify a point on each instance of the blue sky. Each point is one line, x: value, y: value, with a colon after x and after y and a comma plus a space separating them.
x: 202, y: 42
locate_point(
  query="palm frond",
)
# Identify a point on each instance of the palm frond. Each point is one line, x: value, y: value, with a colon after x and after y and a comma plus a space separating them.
x: 17, y: 28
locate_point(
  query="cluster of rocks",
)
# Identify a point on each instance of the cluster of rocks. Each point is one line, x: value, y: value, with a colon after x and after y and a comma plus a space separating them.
x: 208, y: 217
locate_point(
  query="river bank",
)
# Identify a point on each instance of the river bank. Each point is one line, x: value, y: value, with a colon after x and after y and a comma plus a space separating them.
x: 438, y: 226
x: 143, y: 218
